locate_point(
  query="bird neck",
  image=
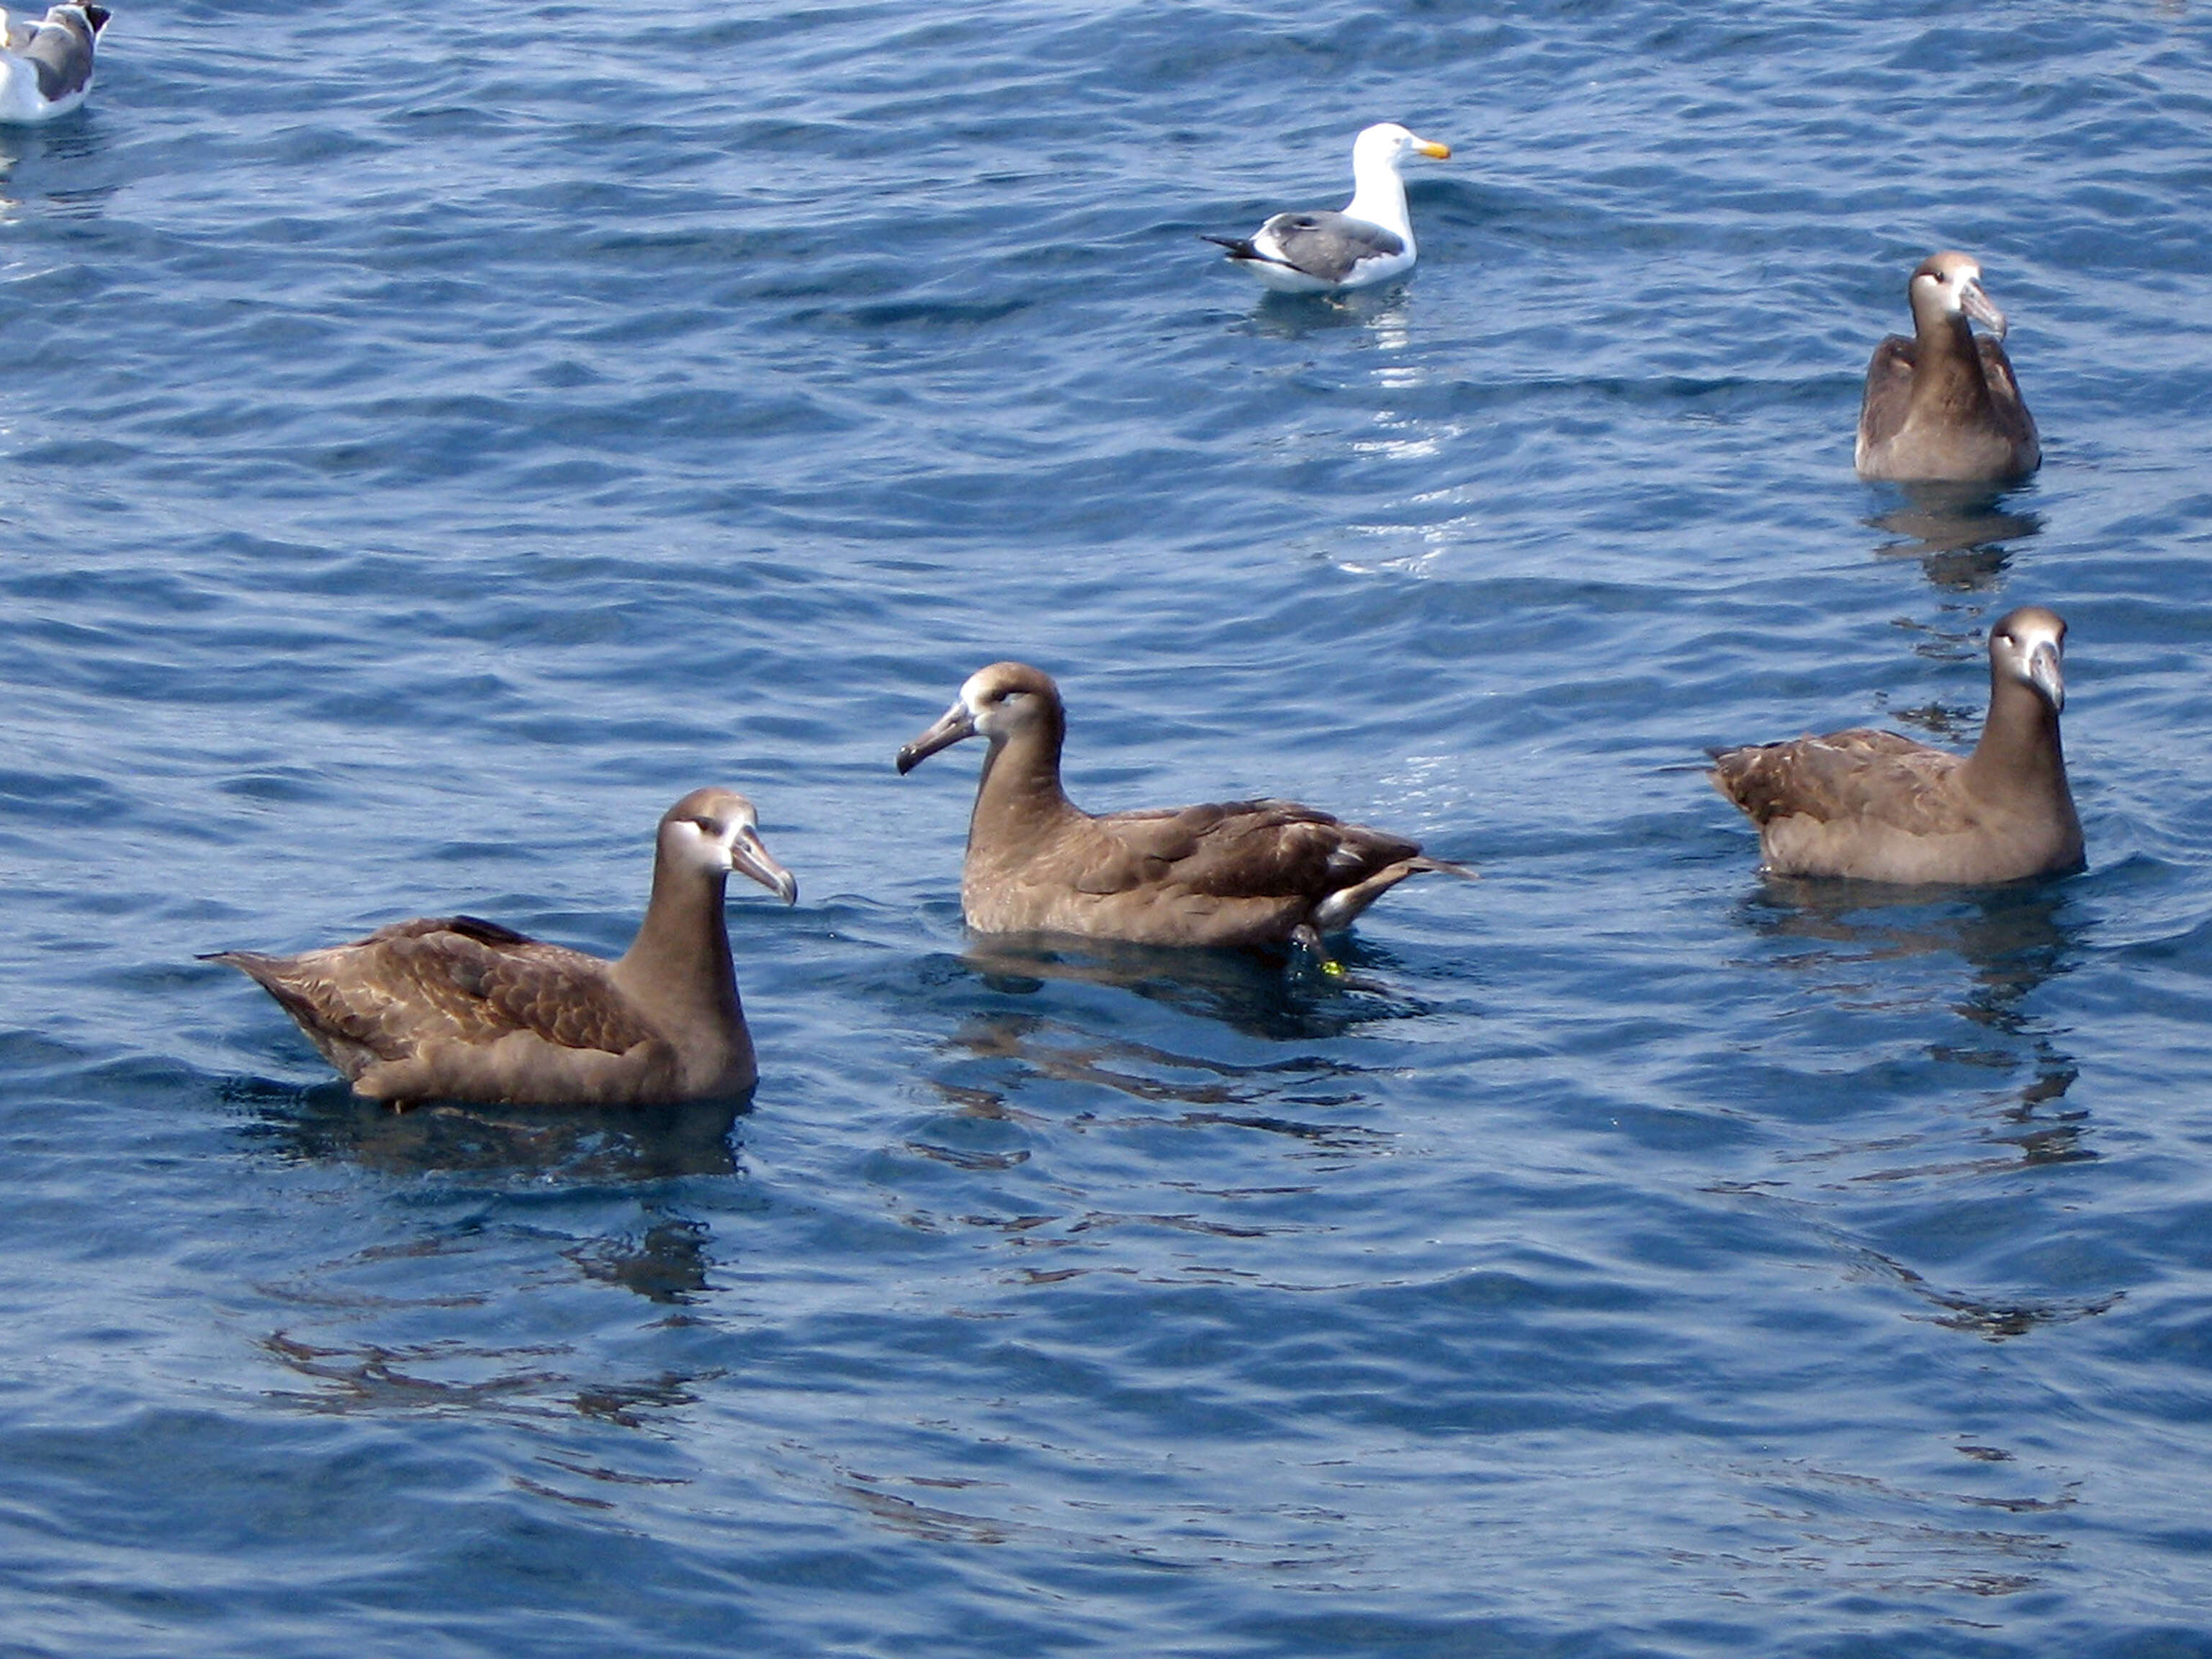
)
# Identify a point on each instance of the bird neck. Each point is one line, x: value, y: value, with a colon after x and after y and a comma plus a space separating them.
x: 680, y: 959
x: 1948, y: 376
x: 1378, y: 196
x: 1019, y: 788
x: 2019, y: 752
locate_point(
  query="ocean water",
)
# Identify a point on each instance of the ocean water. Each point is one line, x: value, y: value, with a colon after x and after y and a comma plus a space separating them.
x: 430, y: 442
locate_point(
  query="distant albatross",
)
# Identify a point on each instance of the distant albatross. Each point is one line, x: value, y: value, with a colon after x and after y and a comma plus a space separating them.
x: 1247, y: 872
x: 454, y: 1008
x: 1370, y: 241
x: 45, y: 66
x: 1882, y: 807
x: 1943, y: 406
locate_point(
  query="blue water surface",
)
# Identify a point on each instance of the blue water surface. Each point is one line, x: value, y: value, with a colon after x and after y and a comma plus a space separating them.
x: 432, y: 441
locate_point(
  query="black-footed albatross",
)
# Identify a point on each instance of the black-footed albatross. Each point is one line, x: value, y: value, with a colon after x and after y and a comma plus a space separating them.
x: 1944, y: 405
x: 454, y: 1008
x: 1248, y: 873
x: 1370, y: 241
x: 1879, y: 806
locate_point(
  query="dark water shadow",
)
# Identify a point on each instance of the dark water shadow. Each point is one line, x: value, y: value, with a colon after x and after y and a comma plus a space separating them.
x: 49, y: 167
x: 1283, y: 997
x: 1961, y: 533
x: 2011, y: 939
x: 1300, y: 316
x: 329, y: 1121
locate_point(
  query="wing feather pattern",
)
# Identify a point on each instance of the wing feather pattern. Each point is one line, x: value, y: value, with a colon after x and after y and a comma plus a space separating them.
x: 1858, y: 776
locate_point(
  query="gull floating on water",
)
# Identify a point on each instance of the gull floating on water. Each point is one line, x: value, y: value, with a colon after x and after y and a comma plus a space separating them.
x: 1370, y: 241
x: 45, y: 66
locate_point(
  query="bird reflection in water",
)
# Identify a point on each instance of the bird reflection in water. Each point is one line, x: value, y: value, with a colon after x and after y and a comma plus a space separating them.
x: 1253, y: 992
x: 529, y: 1143
x: 2011, y: 938
x: 1961, y: 533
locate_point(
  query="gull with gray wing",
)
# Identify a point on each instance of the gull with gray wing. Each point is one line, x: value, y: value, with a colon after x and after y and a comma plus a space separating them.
x: 1370, y: 241
x: 45, y: 66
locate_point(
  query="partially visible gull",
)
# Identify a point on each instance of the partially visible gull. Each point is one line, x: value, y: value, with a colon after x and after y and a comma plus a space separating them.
x: 45, y: 66
x: 1370, y: 241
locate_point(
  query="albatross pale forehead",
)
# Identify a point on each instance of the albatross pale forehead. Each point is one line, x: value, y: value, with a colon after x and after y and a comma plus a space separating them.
x: 713, y: 804
x: 1950, y: 268
x: 987, y: 686
x: 2030, y: 625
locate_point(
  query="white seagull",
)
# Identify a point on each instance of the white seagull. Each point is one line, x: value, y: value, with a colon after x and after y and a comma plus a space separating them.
x: 45, y: 66
x: 1370, y: 241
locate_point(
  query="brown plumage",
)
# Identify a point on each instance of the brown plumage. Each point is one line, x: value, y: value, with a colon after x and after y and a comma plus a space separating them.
x: 1878, y: 806
x: 1944, y: 405
x: 454, y: 1008
x: 1252, y: 872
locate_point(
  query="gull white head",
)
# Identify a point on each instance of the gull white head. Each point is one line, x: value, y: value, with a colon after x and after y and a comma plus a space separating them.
x: 1378, y: 194
x: 1388, y: 143
x: 1948, y: 285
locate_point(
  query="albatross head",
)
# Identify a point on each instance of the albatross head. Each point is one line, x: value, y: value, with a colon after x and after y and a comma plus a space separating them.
x: 2029, y: 645
x: 716, y: 832
x: 996, y: 703
x: 1948, y: 285
x: 1388, y: 143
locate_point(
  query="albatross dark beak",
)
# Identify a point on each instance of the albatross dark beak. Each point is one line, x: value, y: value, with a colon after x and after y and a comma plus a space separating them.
x: 1979, y: 306
x: 749, y: 858
x: 2045, y: 675
x: 956, y: 723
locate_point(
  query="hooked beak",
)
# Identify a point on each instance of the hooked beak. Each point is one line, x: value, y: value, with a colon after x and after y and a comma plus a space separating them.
x: 1977, y: 305
x: 2044, y: 674
x: 749, y: 858
x: 956, y: 723
x: 1435, y: 152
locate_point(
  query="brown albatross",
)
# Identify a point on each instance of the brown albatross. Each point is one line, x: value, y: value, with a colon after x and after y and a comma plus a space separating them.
x: 1879, y: 806
x: 1944, y: 405
x: 1250, y: 872
x: 454, y: 1008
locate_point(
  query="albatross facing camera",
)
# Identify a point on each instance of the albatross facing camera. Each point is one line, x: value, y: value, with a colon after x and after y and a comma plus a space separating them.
x: 1944, y: 406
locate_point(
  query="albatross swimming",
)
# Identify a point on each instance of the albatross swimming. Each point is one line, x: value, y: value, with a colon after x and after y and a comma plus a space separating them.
x: 1879, y: 806
x: 1943, y: 405
x: 1250, y: 872
x: 45, y: 66
x: 454, y: 1008
x: 1370, y: 241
